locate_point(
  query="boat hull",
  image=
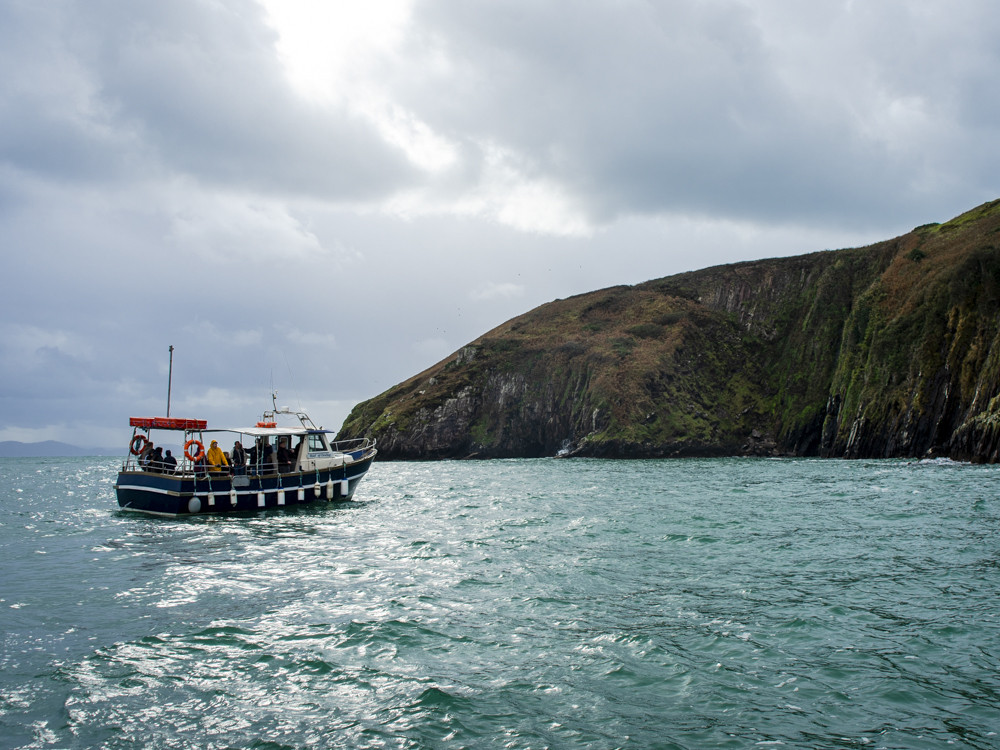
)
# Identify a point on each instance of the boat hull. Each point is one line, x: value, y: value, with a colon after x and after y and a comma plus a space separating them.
x: 159, y: 494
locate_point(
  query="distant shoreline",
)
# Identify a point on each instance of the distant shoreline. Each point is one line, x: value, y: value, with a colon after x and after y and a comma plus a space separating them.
x: 50, y: 449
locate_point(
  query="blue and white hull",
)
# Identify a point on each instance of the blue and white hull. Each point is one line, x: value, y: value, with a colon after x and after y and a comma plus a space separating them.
x: 166, y: 495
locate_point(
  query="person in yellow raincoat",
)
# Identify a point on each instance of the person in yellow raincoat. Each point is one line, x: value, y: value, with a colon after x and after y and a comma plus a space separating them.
x: 216, y: 458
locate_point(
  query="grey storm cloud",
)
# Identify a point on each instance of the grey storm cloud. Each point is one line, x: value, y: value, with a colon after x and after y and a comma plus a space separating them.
x: 165, y: 180
x: 763, y: 111
x: 757, y: 111
x: 120, y: 90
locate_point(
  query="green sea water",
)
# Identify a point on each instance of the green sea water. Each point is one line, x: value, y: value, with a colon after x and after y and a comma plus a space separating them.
x: 730, y: 603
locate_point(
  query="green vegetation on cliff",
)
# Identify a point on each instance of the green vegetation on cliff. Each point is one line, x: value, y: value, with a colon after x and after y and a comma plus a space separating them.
x: 887, y: 350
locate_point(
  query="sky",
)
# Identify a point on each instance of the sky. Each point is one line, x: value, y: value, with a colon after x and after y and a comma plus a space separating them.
x: 324, y: 198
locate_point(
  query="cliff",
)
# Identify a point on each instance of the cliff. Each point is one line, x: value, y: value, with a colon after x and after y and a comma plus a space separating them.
x: 886, y: 350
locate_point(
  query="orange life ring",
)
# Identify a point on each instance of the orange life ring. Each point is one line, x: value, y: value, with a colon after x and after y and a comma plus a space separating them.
x: 138, y: 444
x: 197, y: 456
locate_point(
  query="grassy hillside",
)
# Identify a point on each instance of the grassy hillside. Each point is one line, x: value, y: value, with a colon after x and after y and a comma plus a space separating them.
x: 885, y: 350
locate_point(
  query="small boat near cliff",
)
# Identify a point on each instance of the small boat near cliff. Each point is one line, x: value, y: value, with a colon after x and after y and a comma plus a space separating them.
x: 269, y: 466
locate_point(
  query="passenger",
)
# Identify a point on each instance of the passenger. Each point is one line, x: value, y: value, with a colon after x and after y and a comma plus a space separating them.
x: 169, y: 463
x: 269, y: 460
x: 216, y: 458
x: 285, y: 456
x: 156, y: 460
x: 201, y: 464
x: 253, y: 456
x: 145, y: 456
x: 239, y: 461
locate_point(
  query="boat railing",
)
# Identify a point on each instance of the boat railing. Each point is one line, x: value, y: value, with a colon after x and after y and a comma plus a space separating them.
x: 352, y: 445
x: 356, y: 448
x: 183, y: 467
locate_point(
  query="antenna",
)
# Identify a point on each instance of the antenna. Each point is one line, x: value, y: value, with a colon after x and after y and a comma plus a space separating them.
x: 170, y: 377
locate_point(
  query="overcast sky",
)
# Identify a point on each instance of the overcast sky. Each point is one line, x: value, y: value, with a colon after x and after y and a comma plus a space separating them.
x: 327, y: 197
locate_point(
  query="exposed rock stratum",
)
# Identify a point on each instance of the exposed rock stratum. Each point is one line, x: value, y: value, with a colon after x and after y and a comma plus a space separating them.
x: 890, y: 350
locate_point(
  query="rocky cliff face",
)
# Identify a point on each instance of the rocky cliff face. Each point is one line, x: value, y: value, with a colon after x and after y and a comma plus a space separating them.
x: 888, y: 350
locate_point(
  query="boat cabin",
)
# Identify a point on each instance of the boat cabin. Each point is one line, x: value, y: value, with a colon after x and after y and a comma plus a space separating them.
x: 268, y: 449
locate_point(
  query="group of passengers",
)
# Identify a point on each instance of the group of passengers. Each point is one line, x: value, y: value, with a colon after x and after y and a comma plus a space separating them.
x: 261, y: 457
x: 153, y: 459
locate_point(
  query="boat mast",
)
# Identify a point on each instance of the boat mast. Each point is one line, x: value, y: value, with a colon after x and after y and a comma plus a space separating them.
x: 170, y: 377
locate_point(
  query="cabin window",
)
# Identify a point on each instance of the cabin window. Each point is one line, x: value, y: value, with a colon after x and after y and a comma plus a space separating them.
x: 316, y: 443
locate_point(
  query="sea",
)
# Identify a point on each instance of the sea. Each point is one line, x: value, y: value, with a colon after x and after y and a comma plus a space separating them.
x: 546, y: 603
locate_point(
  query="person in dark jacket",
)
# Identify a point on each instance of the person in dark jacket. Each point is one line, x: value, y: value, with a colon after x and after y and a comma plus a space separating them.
x: 269, y: 458
x: 238, y: 458
x: 285, y: 456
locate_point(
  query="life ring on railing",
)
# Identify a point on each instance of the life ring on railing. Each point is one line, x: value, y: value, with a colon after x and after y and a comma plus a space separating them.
x: 197, y: 456
x: 138, y: 444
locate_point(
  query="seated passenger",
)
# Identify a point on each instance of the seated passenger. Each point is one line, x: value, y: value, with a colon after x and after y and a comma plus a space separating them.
x: 169, y: 463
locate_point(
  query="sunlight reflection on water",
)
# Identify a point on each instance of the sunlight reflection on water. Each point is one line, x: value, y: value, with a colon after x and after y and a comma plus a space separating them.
x: 531, y: 603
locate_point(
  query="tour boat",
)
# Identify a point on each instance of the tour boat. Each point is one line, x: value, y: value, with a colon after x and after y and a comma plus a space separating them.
x: 285, y: 466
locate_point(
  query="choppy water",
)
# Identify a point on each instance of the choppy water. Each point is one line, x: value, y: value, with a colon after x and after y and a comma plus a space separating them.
x: 512, y: 604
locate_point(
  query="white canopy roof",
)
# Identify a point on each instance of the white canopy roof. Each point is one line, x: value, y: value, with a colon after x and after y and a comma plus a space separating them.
x: 269, y: 431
